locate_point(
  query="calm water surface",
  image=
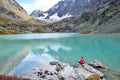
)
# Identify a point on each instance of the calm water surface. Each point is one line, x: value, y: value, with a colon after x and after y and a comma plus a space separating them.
x: 23, y: 52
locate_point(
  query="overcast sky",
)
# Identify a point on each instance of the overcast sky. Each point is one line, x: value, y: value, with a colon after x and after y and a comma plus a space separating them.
x: 31, y: 5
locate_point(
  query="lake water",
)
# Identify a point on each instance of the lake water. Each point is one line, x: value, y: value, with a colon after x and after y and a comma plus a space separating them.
x: 20, y: 53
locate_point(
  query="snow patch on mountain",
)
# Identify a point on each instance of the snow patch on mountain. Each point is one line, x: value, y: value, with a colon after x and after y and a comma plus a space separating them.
x: 43, y: 17
x: 63, y: 9
x: 54, y: 18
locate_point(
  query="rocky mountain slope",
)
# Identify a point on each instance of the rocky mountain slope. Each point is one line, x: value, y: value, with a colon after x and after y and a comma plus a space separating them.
x: 68, y: 8
x: 37, y: 13
x: 63, y: 9
x: 103, y: 19
x: 85, y: 16
x: 14, y: 19
x: 11, y: 9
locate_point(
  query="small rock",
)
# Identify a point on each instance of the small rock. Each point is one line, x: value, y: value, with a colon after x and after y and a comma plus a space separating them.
x: 51, y: 73
x: 54, y: 63
x: 43, y: 76
x: 39, y: 73
x: 61, y: 78
x: 58, y: 69
x: 56, y: 73
x: 57, y: 64
x: 46, y: 72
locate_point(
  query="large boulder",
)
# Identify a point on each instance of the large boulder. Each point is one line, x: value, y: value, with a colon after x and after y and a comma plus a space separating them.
x: 85, y: 72
x: 96, y: 64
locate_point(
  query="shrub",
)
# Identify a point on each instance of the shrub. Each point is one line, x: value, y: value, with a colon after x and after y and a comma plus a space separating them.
x: 94, y: 77
x: 4, y: 77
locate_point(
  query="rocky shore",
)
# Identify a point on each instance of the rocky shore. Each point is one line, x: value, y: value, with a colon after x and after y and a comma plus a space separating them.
x: 55, y: 70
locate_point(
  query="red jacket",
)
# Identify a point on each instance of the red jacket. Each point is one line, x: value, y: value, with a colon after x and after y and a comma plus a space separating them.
x: 82, y: 61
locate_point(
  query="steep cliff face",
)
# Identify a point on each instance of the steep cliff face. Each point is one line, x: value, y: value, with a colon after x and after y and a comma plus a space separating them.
x: 11, y: 9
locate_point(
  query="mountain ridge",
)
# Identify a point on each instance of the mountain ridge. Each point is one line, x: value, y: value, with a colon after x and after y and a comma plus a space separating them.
x: 63, y: 8
x: 70, y: 8
x: 101, y: 20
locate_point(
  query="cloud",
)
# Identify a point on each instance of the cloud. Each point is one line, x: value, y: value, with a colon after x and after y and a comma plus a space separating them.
x: 43, y: 5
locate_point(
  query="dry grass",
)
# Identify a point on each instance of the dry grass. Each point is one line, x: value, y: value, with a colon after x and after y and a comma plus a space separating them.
x: 12, y: 6
x: 85, y: 32
x: 8, y: 26
x: 20, y: 14
x: 3, y: 77
x: 5, y: 31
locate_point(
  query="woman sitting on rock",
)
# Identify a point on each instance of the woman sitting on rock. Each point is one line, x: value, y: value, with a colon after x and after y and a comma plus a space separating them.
x: 82, y: 61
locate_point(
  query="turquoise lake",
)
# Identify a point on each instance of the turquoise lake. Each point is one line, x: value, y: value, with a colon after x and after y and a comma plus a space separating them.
x: 22, y: 52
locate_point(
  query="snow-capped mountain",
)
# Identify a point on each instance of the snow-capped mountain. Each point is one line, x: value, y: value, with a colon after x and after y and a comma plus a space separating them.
x: 63, y: 9
x: 72, y: 7
x: 67, y: 8
x: 37, y: 13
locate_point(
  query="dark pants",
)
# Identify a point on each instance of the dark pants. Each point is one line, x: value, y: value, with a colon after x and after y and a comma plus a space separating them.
x: 82, y: 65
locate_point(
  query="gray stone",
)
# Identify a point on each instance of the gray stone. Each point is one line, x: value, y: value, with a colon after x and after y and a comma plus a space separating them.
x: 66, y: 73
x: 96, y: 64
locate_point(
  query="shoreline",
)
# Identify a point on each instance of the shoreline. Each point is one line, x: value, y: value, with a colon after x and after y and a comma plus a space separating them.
x: 55, y: 70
